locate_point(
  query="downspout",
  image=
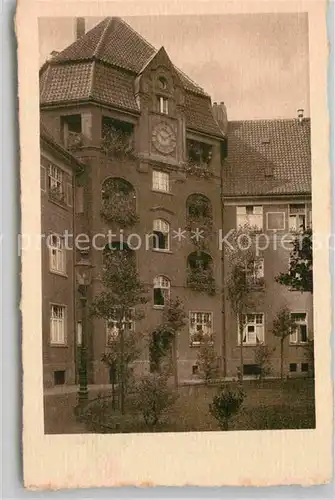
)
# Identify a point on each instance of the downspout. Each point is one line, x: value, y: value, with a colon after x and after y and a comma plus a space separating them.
x: 223, y: 315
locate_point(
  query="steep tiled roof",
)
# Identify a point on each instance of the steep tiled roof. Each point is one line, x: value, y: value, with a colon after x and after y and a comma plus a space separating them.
x: 267, y: 157
x: 103, y: 65
x: 199, y: 115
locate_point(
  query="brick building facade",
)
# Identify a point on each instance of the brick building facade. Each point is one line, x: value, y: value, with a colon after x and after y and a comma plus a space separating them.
x: 149, y: 148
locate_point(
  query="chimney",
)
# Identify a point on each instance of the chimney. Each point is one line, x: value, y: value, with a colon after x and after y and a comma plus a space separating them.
x: 52, y: 54
x: 300, y: 115
x: 220, y: 115
x: 80, y: 27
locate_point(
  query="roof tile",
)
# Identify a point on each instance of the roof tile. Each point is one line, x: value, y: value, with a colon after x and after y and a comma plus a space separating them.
x: 268, y: 157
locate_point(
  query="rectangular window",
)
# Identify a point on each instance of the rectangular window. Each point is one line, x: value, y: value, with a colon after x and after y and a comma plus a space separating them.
x: 256, y: 272
x: 56, y: 183
x: 112, y: 325
x: 57, y: 324
x: 293, y: 367
x: 59, y: 377
x: 163, y: 105
x: 304, y: 367
x: 43, y: 179
x: 200, y: 326
x: 72, y: 131
x: 297, y: 217
x: 57, y: 254
x: 160, y: 181
x: 251, y: 369
x: 251, y: 216
x: 253, y: 329
x: 300, y: 334
x: 275, y: 221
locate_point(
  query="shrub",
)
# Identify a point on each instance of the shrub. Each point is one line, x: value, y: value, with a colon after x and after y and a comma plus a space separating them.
x: 153, y: 397
x: 262, y: 359
x: 207, y: 360
x: 226, y: 404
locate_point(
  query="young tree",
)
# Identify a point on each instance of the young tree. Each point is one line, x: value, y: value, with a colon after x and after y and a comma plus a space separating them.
x: 122, y: 292
x: 283, y: 325
x: 263, y: 359
x: 226, y: 403
x: 241, y: 279
x: 207, y: 360
x: 300, y: 274
x: 164, y: 338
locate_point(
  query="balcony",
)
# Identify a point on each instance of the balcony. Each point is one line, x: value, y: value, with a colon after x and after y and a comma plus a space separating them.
x: 200, y: 273
x: 199, y: 157
x: 119, y: 202
x: 117, y: 139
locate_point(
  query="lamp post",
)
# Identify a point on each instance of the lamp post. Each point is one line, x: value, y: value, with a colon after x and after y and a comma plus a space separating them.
x: 83, y: 276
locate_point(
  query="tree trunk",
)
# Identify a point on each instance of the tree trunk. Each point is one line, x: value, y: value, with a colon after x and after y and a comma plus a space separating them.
x: 122, y: 387
x: 241, y: 348
x: 282, y: 358
x: 175, y: 360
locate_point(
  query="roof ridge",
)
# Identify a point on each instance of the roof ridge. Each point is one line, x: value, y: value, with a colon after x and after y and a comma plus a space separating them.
x: 108, y: 21
x: 122, y: 21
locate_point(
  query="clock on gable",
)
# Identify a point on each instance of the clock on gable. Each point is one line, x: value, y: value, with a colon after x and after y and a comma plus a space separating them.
x: 164, y: 138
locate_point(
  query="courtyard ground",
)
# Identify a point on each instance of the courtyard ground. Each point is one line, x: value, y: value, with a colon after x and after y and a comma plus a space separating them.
x: 270, y: 404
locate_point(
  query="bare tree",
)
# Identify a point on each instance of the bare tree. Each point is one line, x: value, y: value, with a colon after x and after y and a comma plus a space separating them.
x: 242, y: 281
x: 283, y: 326
x: 116, y: 305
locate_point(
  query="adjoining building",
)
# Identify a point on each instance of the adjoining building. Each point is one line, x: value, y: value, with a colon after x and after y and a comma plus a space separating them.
x: 153, y: 155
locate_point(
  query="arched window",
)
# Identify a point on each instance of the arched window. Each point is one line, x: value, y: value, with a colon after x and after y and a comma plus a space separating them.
x: 199, y: 260
x: 119, y: 201
x: 161, y: 230
x: 162, y: 83
x: 161, y: 290
x: 198, y: 206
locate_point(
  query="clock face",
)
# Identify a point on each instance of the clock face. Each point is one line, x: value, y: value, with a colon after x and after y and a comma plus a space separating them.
x: 164, y: 138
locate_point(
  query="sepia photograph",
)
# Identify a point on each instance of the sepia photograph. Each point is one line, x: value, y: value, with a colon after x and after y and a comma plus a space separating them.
x: 174, y: 241
x: 176, y: 217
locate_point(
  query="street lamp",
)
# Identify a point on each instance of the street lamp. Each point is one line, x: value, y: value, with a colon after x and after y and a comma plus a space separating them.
x: 84, y: 277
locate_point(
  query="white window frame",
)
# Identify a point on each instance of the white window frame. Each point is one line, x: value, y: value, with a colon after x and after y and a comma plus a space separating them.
x: 294, y: 215
x: 57, y: 254
x: 161, y: 226
x: 271, y: 228
x: 164, y: 284
x: 195, y: 325
x: 56, y: 179
x: 161, y: 181
x: 163, y: 105
x: 112, y: 331
x: 58, y: 324
x: 254, y: 220
x: 295, y: 336
x: 257, y: 272
x: 252, y: 340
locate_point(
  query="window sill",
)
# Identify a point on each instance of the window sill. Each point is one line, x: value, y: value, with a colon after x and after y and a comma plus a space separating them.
x: 161, y: 192
x: 159, y: 308
x: 158, y: 250
x: 298, y: 344
x: 59, y: 273
x: 199, y: 344
x: 51, y: 344
x: 251, y: 345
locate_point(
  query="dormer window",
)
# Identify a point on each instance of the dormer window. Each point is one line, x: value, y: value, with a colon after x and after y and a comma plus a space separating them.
x: 163, y: 105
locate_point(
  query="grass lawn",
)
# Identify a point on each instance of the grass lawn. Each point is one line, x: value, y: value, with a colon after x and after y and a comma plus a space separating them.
x: 268, y: 405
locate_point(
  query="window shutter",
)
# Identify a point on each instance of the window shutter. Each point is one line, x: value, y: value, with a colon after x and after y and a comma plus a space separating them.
x: 260, y: 333
x: 294, y: 336
x: 69, y: 197
x: 43, y: 179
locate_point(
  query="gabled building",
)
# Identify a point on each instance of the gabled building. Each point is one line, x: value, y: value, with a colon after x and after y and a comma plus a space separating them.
x: 155, y: 156
x: 267, y: 184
